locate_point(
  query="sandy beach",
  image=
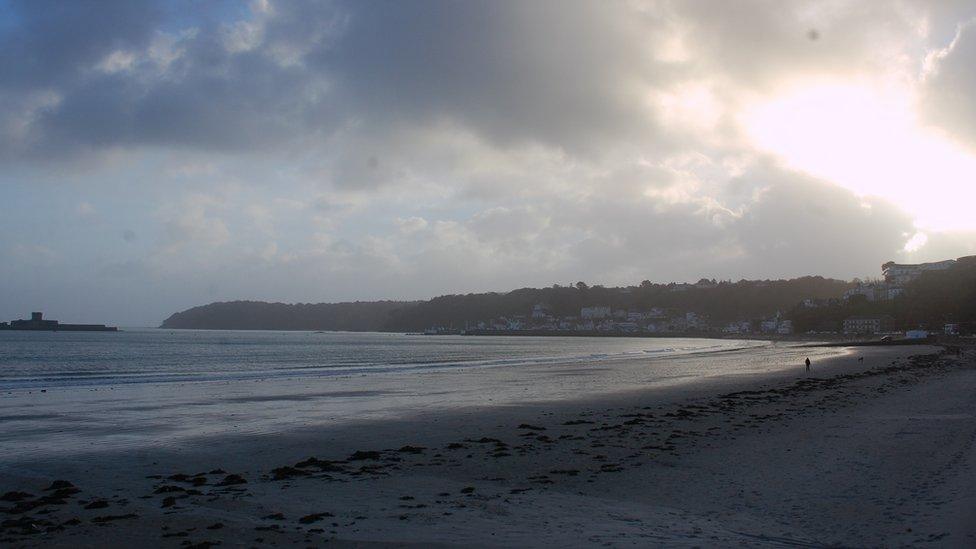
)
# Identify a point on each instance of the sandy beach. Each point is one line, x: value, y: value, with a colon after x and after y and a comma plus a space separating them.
x: 874, y: 447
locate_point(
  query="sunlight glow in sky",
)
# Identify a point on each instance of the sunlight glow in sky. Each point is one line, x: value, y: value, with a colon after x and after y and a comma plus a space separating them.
x: 164, y: 154
x: 869, y: 142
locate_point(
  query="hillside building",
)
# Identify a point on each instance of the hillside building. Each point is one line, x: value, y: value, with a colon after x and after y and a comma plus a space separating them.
x: 901, y: 274
x: 861, y: 325
x: 594, y: 313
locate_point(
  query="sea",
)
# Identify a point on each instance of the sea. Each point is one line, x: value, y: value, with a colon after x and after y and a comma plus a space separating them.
x: 74, y: 359
x: 62, y: 392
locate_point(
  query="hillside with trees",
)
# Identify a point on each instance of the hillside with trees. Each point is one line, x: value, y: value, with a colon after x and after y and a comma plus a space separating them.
x: 356, y: 316
x: 720, y: 301
x: 929, y: 302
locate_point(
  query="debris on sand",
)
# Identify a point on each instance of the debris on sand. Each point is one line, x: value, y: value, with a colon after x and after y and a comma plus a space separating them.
x: 286, y: 472
x: 314, y: 517
x: 60, y: 485
x: 110, y: 518
x: 362, y: 455
x: 231, y: 480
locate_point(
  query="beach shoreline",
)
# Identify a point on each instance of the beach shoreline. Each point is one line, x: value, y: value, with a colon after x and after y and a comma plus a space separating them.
x: 726, y: 460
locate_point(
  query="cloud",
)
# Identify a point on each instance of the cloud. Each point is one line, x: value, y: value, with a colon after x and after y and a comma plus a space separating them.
x: 194, y: 223
x: 54, y: 44
x: 578, y: 76
x: 760, y: 41
x: 310, y: 150
x: 950, y: 85
x: 801, y: 225
x: 34, y: 255
x: 410, y: 225
x: 85, y: 209
x: 783, y: 222
x: 564, y: 73
x: 138, y: 82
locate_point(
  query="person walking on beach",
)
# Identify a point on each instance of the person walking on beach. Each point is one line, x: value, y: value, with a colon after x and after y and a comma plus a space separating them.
x: 808, y: 363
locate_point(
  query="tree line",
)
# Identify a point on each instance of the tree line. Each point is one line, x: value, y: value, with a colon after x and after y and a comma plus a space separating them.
x: 720, y: 301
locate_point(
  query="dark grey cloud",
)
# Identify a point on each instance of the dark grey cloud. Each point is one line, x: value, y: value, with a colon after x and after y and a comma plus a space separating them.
x: 172, y: 82
x: 53, y: 44
x: 572, y: 74
x: 568, y: 73
x: 577, y: 75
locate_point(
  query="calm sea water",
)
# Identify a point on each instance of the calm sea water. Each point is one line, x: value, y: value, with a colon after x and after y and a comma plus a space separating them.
x: 64, y: 359
x: 65, y: 392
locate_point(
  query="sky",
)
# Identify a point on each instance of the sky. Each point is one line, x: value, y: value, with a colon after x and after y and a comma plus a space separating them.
x: 161, y: 155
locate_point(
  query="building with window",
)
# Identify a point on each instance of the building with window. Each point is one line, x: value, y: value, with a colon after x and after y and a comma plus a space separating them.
x: 900, y: 274
x: 593, y: 313
x: 865, y: 325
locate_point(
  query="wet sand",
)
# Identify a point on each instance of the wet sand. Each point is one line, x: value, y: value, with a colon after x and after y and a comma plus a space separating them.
x: 869, y: 452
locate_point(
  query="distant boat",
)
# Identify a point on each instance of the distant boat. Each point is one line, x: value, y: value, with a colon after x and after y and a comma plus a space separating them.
x: 38, y: 324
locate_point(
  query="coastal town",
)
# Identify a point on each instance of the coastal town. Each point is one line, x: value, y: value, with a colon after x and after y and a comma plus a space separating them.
x: 601, y: 319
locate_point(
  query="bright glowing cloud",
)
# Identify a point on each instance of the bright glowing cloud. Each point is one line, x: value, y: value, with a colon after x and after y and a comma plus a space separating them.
x: 916, y: 242
x: 869, y: 141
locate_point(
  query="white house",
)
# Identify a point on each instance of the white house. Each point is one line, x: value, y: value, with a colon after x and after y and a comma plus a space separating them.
x: 867, y: 325
x: 785, y: 327
x: 695, y: 322
x: 540, y: 311
x: 594, y: 313
x: 738, y: 327
x: 627, y: 326
x: 656, y: 312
